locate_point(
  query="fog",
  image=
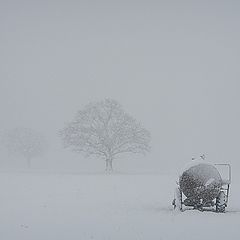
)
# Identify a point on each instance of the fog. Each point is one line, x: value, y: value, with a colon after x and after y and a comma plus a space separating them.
x: 173, y: 65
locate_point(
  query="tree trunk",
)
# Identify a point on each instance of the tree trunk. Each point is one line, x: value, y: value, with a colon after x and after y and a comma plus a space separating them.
x: 29, y: 162
x: 109, y: 165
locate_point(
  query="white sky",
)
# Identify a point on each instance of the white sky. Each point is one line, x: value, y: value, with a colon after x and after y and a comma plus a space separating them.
x: 174, y: 65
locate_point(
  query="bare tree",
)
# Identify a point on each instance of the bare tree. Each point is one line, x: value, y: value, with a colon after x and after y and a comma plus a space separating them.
x: 105, y: 130
x: 24, y: 142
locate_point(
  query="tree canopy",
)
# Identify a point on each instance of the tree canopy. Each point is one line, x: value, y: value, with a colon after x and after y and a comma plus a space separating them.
x: 24, y: 142
x: 104, y: 129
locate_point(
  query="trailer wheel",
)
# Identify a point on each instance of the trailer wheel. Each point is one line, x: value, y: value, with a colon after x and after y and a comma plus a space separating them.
x: 177, y: 201
x: 221, y: 202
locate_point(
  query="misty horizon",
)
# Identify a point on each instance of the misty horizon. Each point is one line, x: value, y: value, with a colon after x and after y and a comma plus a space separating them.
x: 173, y: 66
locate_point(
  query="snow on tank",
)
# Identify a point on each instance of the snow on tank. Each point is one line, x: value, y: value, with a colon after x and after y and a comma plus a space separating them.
x: 200, y: 180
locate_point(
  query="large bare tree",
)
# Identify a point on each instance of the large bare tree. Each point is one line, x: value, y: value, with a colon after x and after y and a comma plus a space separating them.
x: 105, y: 130
x: 24, y: 142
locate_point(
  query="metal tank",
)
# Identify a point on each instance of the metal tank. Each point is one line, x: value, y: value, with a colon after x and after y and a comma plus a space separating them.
x: 200, y: 185
x: 200, y: 182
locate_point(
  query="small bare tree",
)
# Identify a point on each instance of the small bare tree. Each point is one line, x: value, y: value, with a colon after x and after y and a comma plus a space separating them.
x: 24, y: 142
x: 105, y: 130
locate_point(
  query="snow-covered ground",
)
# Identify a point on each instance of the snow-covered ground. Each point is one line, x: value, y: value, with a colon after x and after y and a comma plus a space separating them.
x: 44, y: 206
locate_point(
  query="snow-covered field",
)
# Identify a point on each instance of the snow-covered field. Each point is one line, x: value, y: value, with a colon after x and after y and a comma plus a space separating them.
x: 44, y: 206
